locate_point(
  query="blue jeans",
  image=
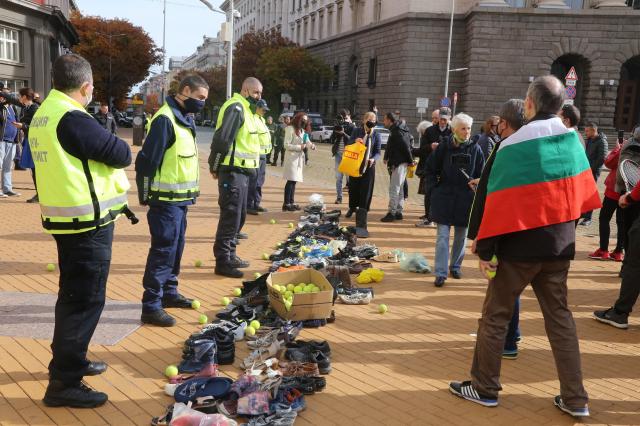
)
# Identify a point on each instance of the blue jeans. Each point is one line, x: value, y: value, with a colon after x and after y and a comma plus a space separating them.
x: 167, y: 225
x: 7, y: 153
x: 339, y: 177
x: 442, y: 249
x: 513, y: 332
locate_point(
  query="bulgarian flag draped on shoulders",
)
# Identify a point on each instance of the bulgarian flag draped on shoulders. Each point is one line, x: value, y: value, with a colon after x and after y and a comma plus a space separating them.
x: 540, y: 176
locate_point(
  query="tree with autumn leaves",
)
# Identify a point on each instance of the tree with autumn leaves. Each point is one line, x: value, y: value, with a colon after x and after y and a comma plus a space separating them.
x: 280, y: 64
x: 118, y: 49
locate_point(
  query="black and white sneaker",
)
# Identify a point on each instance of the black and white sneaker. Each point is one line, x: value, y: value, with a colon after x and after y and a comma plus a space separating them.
x: 611, y: 317
x: 575, y: 412
x: 465, y: 390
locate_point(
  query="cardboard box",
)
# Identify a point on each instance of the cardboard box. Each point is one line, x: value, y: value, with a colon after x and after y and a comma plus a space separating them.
x: 305, y: 305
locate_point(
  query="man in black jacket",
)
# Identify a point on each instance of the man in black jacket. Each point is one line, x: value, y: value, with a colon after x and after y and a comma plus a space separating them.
x: 397, y: 157
x: 596, y: 148
x: 540, y: 256
x: 106, y: 119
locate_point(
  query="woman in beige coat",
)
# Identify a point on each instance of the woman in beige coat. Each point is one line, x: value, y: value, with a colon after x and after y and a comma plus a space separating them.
x: 296, y: 139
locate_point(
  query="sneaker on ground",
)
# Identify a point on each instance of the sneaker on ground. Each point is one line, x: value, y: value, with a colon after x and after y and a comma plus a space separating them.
x: 253, y: 212
x: 424, y: 224
x: 510, y: 354
x: 76, y: 396
x: 585, y: 222
x: 261, y: 209
x: 466, y: 390
x: 389, y: 217
x: 178, y: 301
x: 12, y: 194
x: 611, y: 317
x: 617, y: 256
x: 398, y: 216
x: 159, y: 318
x: 439, y: 281
x: 600, y: 254
x: 575, y: 412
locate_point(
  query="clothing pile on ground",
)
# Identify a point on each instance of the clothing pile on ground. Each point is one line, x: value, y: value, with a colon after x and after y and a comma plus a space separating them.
x: 281, y: 369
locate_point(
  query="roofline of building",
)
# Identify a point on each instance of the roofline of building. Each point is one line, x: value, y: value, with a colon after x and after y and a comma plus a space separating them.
x: 55, y: 15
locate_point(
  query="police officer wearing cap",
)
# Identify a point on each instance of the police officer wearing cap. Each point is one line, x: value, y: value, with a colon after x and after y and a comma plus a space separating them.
x: 255, y: 183
x: 167, y: 175
x: 234, y: 158
x: 83, y: 190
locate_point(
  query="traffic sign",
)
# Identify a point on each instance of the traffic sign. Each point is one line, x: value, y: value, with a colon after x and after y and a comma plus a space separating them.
x: 570, y: 92
x: 568, y: 101
x: 445, y: 102
x: 571, y: 75
x: 422, y: 110
x: 422, y: 102
x: 285, y: 98
x: 571, y: 82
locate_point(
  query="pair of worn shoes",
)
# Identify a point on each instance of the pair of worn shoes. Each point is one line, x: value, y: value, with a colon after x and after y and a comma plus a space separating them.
x: 160, y: 317
x: 232, y: 268
x: 310, y: 351
x: 391, y: 217
x: 77, y: 394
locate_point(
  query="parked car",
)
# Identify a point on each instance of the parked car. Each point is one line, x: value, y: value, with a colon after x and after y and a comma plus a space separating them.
x: 384, y: 135
x: 323, y: 135
x: 122, y: 119
x: 206, y: 123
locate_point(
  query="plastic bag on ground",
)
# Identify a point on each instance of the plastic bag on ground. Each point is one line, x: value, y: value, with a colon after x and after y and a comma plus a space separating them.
x: 184, y: 415
x: 415, y: 262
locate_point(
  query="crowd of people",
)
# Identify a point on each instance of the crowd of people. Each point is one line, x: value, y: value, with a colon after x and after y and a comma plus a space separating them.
x: 518, y: 190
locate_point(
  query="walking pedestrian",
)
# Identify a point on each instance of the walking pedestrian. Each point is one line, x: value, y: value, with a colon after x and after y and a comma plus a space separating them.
x: 421, y: 153
x: 106, y: 119
x: 609, y: 207
x: 257, y: 179
x: 9, y: 138
x: 433, y: 136
x: 273, y: 127
x: 168, y: 176
x: 339, y: 139
x: 397, y: 158
x: 361, y: 187
x: 534, y: 244
x: 29, y: 108
x: 83, y: 189
x: 596, y: 149
x: 234, y: 158
x: 455, y: 161
x: 278, y: 144
x: 296, y: 141
x: 510, y: 120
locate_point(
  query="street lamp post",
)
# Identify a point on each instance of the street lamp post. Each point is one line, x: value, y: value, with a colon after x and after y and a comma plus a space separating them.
x: 446, y: 78
x: 110, y: 37
x: 164, y: 48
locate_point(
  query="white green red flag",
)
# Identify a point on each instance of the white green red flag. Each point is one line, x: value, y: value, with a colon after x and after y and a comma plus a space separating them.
x: 540, y: 176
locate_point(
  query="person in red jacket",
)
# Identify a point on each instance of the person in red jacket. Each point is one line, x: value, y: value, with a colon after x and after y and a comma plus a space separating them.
x: 609, y: 206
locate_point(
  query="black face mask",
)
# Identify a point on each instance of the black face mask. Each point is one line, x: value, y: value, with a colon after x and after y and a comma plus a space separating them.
x: 193, y: 105
x: 371, y: 124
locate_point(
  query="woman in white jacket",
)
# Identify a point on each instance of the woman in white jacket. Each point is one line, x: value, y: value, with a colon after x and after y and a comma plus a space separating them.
x: 296, y: 139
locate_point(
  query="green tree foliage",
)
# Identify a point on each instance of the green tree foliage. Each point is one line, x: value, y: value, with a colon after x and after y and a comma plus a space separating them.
x: 131, y: 51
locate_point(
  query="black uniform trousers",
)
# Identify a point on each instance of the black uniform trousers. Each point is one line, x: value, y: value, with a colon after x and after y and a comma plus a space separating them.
x: 84, y: 260
x: 278, y: 150
x: 361, y: 189
x: 233, y: 184
x: 630, y: 286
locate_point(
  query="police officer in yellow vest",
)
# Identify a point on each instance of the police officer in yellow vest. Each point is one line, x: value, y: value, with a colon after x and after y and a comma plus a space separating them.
x: 255, y: 184
x: 234, y: 158
x: 167, y: 175
x: 83, y: 190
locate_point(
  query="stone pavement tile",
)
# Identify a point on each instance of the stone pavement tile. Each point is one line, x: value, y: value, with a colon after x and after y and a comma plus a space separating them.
x: 387, y: 369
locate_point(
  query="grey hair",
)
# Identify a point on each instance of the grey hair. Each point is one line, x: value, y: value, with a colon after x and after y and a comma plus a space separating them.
x: 512, y: 112
x: 547, y: 94
x: 461, y: 118
x: 422, y: 126
x: 70, y: 72
x: 636, y: 133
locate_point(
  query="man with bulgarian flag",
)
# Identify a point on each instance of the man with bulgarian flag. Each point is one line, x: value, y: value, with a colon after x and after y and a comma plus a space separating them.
x: 540, y: 183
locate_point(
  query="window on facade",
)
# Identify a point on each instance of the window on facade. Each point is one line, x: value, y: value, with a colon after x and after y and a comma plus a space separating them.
x: 312, y: 36
x: 336, y: 76
x: 9, y: 44
x: 377, y: 11
x: 373, y: 72
x: 355, y: 75
x: 305, y: 35
x: 339, y: 20
x: 320, y: 25
x: 329, y: 23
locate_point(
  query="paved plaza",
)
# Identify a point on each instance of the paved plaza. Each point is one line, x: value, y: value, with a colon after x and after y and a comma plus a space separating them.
x: 390, y: 369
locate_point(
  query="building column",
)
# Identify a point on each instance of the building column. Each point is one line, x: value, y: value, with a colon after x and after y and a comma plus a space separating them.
x: 609, y: 3
x: 551, y: 4
x: 493, y: 3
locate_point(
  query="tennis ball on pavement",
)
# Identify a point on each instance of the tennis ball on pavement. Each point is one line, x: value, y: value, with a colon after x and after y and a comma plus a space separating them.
x: 198, y: 263
x: 51, y: 267
x: 195, y: 304
x: 344, y: 229
x: 279, y: 245
x: 382, y: 308
x: 265, y: 256
x: 272, y: 221
x: 171, y: 371
x: 225, y: 301
x: 250, y: 331
x: 255, y: 324
x: 298, y: 239
x: 237, y: 291
x: 202, y: 319
x: 257, y: 275
x: 290, y: 224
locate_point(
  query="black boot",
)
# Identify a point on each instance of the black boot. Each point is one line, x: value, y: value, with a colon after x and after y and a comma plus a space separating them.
x: 361, y: 223
x: 349, y: 213
x: 77, y: 395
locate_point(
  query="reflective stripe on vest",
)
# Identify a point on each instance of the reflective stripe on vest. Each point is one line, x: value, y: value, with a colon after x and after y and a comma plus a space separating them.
x: 177, y: 178
x: 245, y: 150
x: 75, y: 195
x: 264, y: 136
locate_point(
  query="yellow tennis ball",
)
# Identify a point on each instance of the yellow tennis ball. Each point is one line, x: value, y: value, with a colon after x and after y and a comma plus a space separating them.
x: 250, y: 331
x: 382, y: 308
x: 225, y: 301
x: 51, y: 267
x: 171, y: 371
x: 195, y: 304
x: 255, y: 324
x: 202, y: 319
x: 198, y: 263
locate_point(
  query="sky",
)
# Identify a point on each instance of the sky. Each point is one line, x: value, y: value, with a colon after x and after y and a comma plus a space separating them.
x: 187, y: 20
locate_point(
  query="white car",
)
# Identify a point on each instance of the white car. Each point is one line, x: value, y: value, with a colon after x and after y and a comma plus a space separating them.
x: 322, y: 135
x: 384, y: 135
